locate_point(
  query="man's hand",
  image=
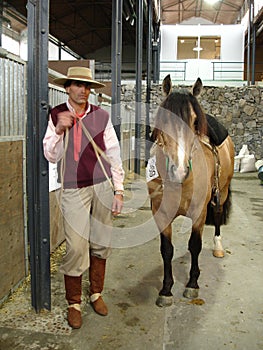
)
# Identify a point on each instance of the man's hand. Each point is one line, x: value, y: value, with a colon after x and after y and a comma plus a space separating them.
x: 117, y: 204
x: 65, y: 120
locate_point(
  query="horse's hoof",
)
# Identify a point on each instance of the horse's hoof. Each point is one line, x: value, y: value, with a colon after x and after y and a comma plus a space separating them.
x: 191, y: 293
x: 218, y: 253
x: 218, y: 250
x: 163, y: 301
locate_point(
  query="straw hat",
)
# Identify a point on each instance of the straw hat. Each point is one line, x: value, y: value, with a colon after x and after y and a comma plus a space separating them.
x: 80, y: 74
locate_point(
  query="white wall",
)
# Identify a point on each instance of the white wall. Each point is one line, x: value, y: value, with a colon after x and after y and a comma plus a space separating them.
x: 232, y: 48
x: 232, y: 43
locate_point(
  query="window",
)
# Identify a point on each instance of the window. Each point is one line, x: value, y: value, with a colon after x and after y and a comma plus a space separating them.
x: 185, y: 48
x: 206, y: 47
x: 211, y: 47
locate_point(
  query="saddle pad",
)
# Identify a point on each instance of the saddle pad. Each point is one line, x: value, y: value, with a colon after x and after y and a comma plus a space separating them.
x: 215, y: 130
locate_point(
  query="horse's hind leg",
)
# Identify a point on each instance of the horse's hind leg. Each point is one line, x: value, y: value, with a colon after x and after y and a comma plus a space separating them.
x: 194, y: 246
x: 165, y: 297
x: 218, y: 250
x: 221, y: 216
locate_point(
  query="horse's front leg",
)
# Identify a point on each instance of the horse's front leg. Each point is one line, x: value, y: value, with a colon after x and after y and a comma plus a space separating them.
x: 165, y: 295
x: 194, y: 246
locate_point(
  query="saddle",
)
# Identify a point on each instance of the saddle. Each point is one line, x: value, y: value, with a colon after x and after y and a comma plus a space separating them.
x: 216, y: 132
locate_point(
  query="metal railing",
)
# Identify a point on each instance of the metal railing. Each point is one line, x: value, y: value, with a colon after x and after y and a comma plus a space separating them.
x: 216, y: 71
x: 228, y: 70
x: 177, y: 69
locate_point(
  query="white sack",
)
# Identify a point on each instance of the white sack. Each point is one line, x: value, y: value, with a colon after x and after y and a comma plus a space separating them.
x: 247, y: 163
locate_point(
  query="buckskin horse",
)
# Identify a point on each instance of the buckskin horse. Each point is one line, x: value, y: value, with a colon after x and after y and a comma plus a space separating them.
x: 193, y: 180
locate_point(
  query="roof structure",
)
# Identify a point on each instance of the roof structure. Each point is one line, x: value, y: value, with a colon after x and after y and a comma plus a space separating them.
x: 85, y: 25
x: 218, y: 12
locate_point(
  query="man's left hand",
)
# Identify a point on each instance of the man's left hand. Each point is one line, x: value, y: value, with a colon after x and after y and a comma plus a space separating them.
x: 117, y: 204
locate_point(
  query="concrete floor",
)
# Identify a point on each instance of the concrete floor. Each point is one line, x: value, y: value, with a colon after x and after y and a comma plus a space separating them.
x: 230, y: 312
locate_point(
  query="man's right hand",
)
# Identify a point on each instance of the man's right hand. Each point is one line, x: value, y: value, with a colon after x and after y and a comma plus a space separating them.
x: 65, y: 120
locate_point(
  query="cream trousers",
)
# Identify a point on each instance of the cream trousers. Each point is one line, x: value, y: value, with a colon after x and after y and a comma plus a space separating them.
x: 87, y: 223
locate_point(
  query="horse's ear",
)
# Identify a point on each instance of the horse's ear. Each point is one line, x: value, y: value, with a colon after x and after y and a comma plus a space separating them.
x: 196, y: 89
x: 167, y: 84
x: 154, y: 135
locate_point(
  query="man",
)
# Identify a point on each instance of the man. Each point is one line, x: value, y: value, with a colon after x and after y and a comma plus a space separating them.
x: 82, y: 139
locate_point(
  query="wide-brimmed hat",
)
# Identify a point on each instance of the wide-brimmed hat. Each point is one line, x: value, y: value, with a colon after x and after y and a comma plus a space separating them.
x: 79, y: 74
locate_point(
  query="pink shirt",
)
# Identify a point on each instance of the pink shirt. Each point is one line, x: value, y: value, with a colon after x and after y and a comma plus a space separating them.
x: 54, y: 148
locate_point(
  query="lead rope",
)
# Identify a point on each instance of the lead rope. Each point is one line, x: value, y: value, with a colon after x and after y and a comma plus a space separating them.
x: 63, y: 165
x: 98, y: 151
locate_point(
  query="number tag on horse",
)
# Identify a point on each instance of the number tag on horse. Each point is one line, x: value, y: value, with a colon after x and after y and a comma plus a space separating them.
x: 151, y: 170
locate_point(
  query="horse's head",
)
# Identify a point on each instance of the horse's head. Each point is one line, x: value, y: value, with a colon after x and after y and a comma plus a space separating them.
x: 179, y: 119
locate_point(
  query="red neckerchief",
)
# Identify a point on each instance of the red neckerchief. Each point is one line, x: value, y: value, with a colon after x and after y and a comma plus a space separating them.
x: 77, y: 136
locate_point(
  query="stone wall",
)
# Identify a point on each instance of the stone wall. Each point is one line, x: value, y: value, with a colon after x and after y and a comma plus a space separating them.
x: 239, y: 109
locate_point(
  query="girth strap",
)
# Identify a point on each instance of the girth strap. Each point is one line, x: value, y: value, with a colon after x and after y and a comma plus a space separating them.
x: 215, y: 201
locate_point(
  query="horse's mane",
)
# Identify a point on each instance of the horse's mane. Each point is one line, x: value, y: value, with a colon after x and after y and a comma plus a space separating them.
x: 178, y: 104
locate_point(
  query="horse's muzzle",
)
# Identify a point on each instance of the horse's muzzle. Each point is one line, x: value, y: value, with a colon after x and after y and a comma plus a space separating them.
x: 178, y: 174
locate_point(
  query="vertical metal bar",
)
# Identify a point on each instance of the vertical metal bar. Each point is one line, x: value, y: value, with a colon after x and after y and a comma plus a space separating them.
x: 1, y: 20
x: 156, y: 53
x: 253, y: 44
x: 113, y: 60
x: 116, y: 40
x: 119, y: 59
x: 213, y: 63
x: 253, y: 55
x: 138, y: 93
x: 248, y: 42
x: 37, y: 166
x: 149, y: 76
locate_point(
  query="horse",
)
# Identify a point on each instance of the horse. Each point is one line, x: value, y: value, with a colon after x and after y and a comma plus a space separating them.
x: 193, y: 180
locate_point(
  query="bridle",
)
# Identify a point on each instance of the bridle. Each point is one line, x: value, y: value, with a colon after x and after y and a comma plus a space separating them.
x: 162, y: 144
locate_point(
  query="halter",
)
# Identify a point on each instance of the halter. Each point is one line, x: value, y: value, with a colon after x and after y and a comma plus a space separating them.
x: 190, y: 165
x: 161, y: 143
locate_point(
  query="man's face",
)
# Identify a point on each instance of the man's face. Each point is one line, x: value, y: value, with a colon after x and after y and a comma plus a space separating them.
x: 78, y: 92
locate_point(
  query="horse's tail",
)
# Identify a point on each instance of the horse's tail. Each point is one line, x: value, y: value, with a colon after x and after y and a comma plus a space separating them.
x: 212, y: 210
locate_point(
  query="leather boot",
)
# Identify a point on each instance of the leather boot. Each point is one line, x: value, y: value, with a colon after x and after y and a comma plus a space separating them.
x: 96, y: 278
x: 73, y: 296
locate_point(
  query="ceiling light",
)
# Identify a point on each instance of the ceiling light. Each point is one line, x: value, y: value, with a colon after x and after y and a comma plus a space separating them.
x: 211, y: 2
x: 197, y: 48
